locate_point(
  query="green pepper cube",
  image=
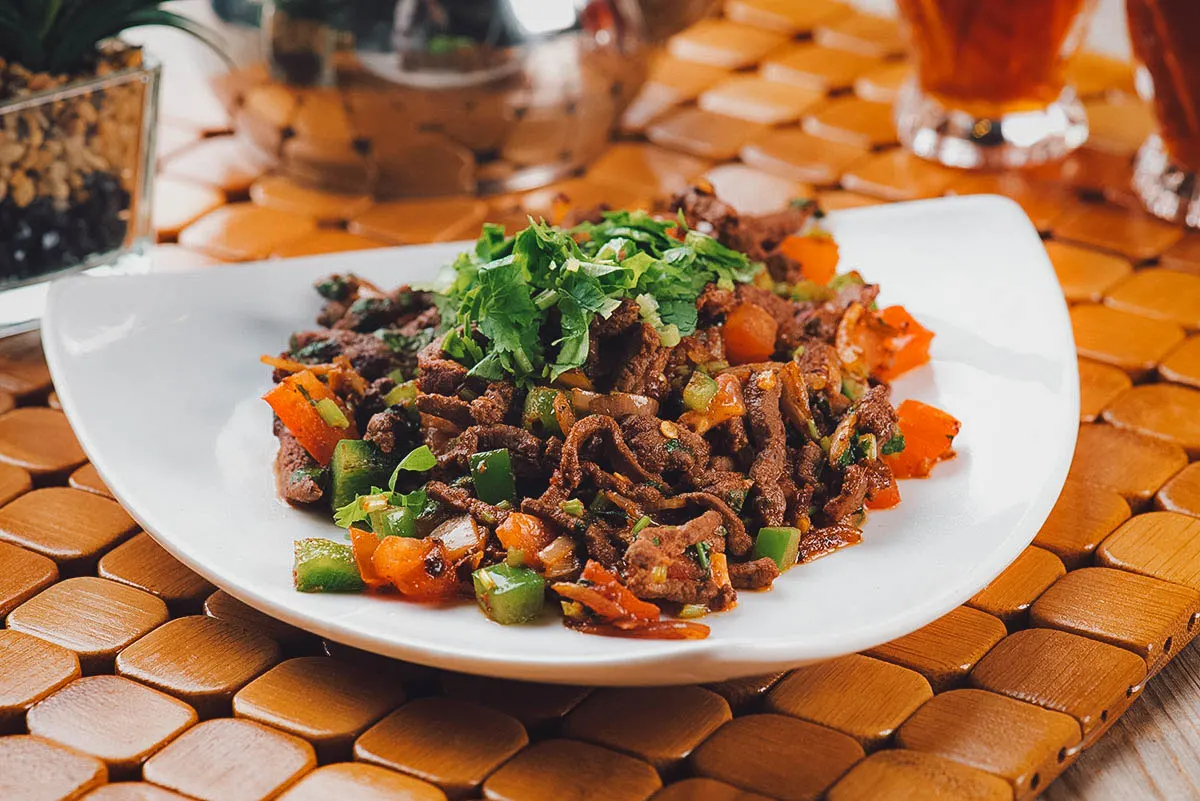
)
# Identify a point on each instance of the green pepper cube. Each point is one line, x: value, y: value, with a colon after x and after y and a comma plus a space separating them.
x: 547, y: 410
x: 780, y: 543
x: 325, y: 566
x: 394, y: 521
x: 699, y: 392
x: 509, y: 594
x: 356, y: 466
x: 492, y: 471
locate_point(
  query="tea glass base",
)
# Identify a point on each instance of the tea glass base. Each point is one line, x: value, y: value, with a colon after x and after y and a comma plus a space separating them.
x: 956, y: 138
x: 1166, y: 190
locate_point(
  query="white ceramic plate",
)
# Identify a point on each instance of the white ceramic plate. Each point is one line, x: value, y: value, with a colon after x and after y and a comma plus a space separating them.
x: 160, y: 377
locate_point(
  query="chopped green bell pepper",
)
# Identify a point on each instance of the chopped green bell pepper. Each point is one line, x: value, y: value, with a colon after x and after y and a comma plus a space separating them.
x: 548, y: 411
x: 395, y: 521
x: 325, y: 566
x: 509, y: 594
x: 356, y: 466
x: 699, y: 392
x: 401, y: 393
x: 780, y: 543
x: 493, y: 475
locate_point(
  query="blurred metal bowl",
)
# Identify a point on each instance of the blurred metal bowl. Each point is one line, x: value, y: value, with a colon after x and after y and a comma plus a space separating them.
x: 415, y: 98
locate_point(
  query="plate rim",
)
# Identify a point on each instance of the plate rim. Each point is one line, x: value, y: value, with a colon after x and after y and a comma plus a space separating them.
x: 765, y: 656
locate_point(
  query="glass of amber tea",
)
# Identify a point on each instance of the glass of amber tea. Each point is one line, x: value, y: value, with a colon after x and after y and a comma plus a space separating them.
x: 989, y: 89
x: 1166, y: 39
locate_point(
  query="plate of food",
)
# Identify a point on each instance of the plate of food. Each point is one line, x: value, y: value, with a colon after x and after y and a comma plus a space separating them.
x: 630, y: 449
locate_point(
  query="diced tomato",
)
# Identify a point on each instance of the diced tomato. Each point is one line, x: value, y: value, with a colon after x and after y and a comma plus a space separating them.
x: 749, y: 334
x: 885, y: 498
x: 725, y: 405
x: 816, y: 252
x: 524, y: 533
x: 910, y: 348
x: 294, y: 402
x: 417, y: 568
x: 928, y: 438
x: 364, y: 544
x: 605, y: 595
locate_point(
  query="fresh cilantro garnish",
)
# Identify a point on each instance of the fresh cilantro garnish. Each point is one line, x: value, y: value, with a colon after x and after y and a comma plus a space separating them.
x: 418, y: 460
x: 502, y: 294
x: 893, y: 445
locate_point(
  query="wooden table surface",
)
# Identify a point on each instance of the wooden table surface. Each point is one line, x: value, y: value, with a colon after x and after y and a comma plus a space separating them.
x: 1043, y: 673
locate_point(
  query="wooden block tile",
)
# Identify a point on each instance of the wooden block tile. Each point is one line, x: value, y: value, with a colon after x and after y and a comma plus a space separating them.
x: 418, y: 679
x: 860, y: 696
x: 325, y: 241
x: 353, y: 781
x: 1129, y: 341
x: 8, y: 402
x: 1082, y: 517
x: 1159, y: 544
x: 1100, y: 385
x: 23, y: 574
x: 245, y: 232
x: 1136, y: 235
x: 1023, y: 743
x: 415, y: 221
x: 853, y: 121
x: 201, y: 660
x: 661, y: 725
x: 1150, y: 617
x: 1094, y: 75
x: 1084, y: 273
x: 1160, y: 293
x: 1180, y: 494
x: 1097, y: 173
x: 683, y: 80
x: 173, y: 258
x: 91, y: 616
x: 113, y: 719
x: 745, y: 694
x: 225, y: 163
x: 326, y: 701
x: 32, y: 668
x: 60, y: 772
x: 322, y: 115
x: 757, y: 99
x: 569, y: 769
x: 1010, y: 594
x: 1091, y: 681
x: 652, y: 101
x: 917, y: 776
x: 143, y: 563
x: 1166, y: 411
x: 653, y: 170
x: 179, y: 203
x: 721, y: 43
x: 1130, y: 464
x: 39, y: 440
x: 71, y: 527
x: 837, y: 199
x: 230, y: 760
x: 785, y: 16
x: 223, y: 606
x: 1043, y: 202
x: 282, y: 193
x: 453, y: 744
x: 897, y: 175
x: 702, y: 133
x: 133, y: 791
x: 23, y: 370
x: 1119, y: 127
x: 1184, y: 255
x: 87, y: 479
x: 1182, y: 365
x: 701, y: 789
x: 794, y: 154
x: 882, y: 84
x: 777, y: 756
x: 945, y: 650
x: 753, y: 191
x: 818, y: 68
x: 537, y: 706
x: 867, y: 34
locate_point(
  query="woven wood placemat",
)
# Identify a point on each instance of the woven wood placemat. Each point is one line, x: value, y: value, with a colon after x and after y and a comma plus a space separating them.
x: 125, y: 675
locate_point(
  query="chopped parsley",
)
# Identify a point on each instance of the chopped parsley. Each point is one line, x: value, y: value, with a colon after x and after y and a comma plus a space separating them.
x: 893, y: 445
x: 504, y: 293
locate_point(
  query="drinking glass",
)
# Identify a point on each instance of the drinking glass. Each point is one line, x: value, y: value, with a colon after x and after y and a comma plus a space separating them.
x: 989, y: 89
x: 1164, y: 35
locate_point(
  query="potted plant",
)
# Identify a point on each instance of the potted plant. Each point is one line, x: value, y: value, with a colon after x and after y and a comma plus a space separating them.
x: 78, y: 112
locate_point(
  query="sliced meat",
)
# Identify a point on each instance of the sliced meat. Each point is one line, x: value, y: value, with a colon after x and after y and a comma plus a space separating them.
x: 524, y: 449
x: 876, y: 415
x: 851, y: 496
x: 296, y: 472
x: 460, y: 498
x: 488, y: 409
x: 392, y: 430
x: 601, y: 541
x: 684, y: 452
x: 569, y: 472
x: 755, y: 575
x: 822, y: 541
x: 763, y: 391
x: 622, y: 319
x: 788, y: 314
x: 714, y: 303
x: 663, y: 562
x: 368, y: 355
x: 436, y: 374
x: 738, y: 539
x: 643, y: 364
